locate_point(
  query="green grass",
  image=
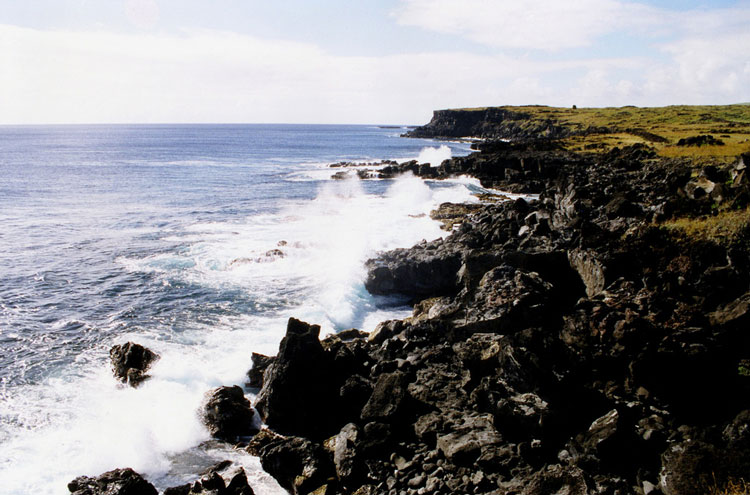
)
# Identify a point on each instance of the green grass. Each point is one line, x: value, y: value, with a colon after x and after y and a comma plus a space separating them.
x: 724, y: 228
x: 631, y: 125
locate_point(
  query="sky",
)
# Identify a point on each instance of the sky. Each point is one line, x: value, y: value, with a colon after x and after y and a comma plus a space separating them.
x: 361, y: 61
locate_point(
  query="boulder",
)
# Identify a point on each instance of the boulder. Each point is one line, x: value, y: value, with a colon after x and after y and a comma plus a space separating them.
x: 130, y: 362
x: 116, y: 482
x: 298, y: 465
x: 228, y: 414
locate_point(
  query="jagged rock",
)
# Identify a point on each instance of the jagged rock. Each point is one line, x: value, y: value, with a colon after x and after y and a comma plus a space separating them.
x: 736, y: 313
x: 388, y: 399
x: 737, y: 433
x: 116, y: 482
x: 345, y: 456
x: 517, y: 344
x: 440, y: 385
x: 298, y: 465
x: 590, y: 268
x: 452, y: 214
x: 260, y: 365
x: 303, y: 375
x: 699, y: 188
x: 466, y: 441
x: 622, y: 207
x: 260, y: 440
x: 216, y: 480
x: 228, y: 414
x: 507, y: 298
x: 131, y: 361
x: 521, y: 416
x: 354, y: 394
x: 557, y: 479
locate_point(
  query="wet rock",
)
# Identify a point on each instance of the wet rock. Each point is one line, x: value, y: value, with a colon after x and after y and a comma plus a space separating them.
x: 228, y: 414
x: 260, y: 365
x: 452, y: 214
x: 261, y: 439
x: 302, y: 375
x: 220, y: 479
x: 115, y: 482
x: 130, y: 362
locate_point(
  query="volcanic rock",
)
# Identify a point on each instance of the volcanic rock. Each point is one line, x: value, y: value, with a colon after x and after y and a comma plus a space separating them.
x: 228, y: 414
x: 116, y: 482
x: 131, y: 361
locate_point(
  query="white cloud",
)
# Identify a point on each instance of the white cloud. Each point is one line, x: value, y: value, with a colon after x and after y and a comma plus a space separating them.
x: 711, y: 68
x: 533, y: 24
x: 212, y: 76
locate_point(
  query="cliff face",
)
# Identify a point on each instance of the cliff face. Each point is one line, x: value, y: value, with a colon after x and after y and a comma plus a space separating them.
x: 488, y: 123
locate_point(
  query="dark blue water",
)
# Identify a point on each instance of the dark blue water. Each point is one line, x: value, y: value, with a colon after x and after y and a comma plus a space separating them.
x: 161, y: 234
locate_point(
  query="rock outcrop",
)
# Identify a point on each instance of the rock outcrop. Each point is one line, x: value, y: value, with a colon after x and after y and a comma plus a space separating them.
x: 130, y: 362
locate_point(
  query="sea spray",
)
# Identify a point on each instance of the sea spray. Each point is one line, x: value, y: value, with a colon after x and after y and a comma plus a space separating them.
x: 318, y: 277
x: 434, y: 155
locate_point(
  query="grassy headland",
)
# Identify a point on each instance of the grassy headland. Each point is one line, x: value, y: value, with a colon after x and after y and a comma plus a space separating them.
x: 662, y: 128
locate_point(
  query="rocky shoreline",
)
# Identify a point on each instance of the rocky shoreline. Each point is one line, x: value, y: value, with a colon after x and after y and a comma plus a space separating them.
x: 576, y: 344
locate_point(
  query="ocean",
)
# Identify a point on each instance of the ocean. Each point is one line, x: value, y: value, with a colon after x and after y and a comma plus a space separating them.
x: 197, y: 241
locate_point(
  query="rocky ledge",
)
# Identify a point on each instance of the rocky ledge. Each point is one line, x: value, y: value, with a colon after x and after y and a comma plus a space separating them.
x: 593, y: 341
x: 578, y: 343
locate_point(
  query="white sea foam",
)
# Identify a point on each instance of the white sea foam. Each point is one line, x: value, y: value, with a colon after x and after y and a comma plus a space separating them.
x: 100, y: 426
x: 434, y: 156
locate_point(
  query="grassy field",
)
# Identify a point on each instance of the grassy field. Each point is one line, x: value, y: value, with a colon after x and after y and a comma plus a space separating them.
x: 659, y: 127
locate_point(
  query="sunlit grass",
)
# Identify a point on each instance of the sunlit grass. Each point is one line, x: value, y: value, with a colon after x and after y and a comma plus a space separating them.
x: 659, y: 127
x: 724, y: 228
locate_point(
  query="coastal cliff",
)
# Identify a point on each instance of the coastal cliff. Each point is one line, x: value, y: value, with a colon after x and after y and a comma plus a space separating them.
x: 487, y: 123
x: 591, y: 340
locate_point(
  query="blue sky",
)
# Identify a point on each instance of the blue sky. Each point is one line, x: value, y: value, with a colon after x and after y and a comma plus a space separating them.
x: 367, y: 61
